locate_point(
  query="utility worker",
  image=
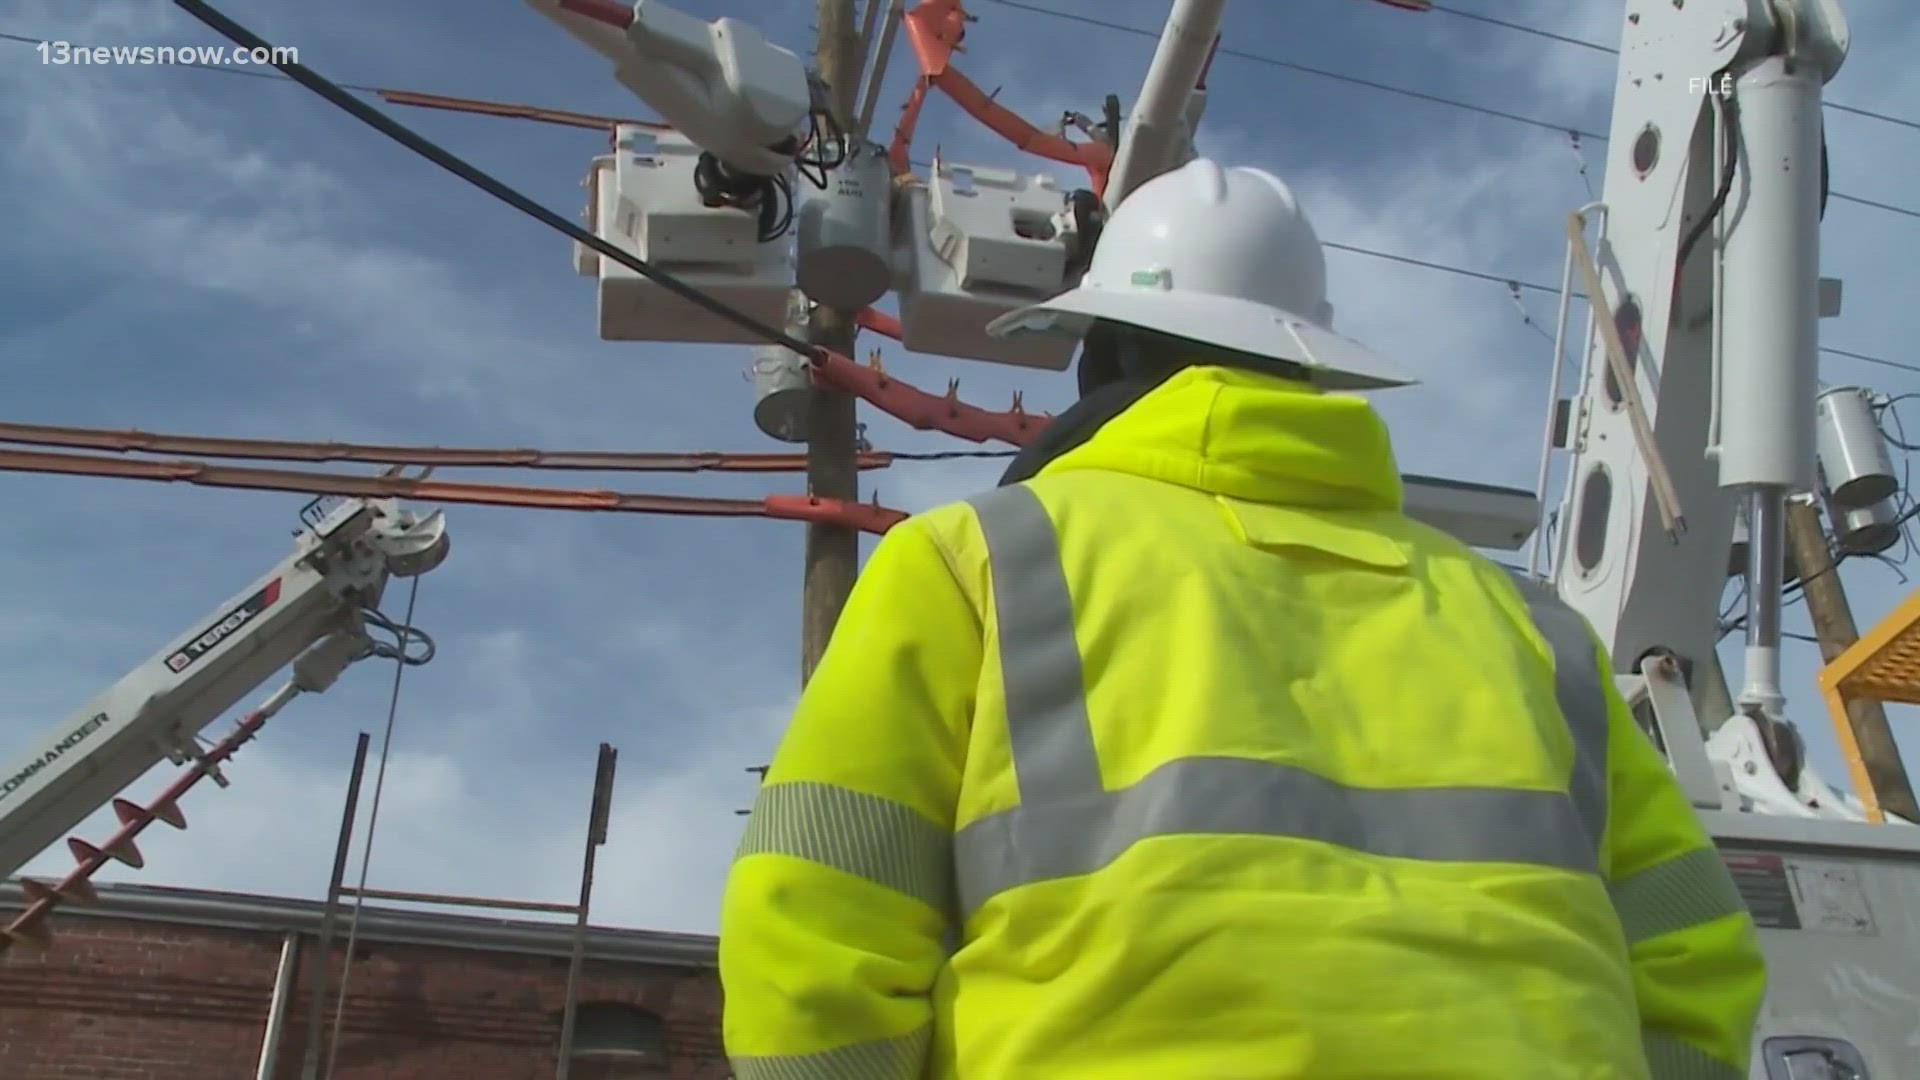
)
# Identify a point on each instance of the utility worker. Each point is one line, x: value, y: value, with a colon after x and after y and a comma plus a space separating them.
x: 1185, y: 754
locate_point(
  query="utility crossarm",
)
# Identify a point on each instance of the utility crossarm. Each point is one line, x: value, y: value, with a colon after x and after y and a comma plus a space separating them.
x: 313, y: 611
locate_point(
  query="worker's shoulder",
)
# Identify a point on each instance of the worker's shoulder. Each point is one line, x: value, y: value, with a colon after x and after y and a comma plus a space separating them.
x: 1449, y: 564
x: 1439, y: 555
x: 951, y: 540
x: 955, y: 527
x: 950, y: 531
x: 959, y: 529
x: 1050, y: 497
x: 1436, y: 546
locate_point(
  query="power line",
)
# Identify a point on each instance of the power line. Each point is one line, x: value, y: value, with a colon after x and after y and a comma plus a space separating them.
x: 1421, y: 95
x: 1518, y: 284
x: 254, y: 73
x: 1497, y: 279
x: 1459, y: 271
x: 1583, y: 43
x: 1871, y: 115
x: 1271, y: 61
x: 1864, y: 358
x: 1858, y: 201
x: 1564, y: 39
x: 1307, y: 69
x: 385, y: 125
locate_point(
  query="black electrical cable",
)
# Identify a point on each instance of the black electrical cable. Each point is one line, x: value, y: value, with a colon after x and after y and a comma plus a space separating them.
x: 1898, y: 523
x: 1726, y: 622
x: 802, y: 163
x: 783, y: 218
x: 405, y: 636
x: 1728, y: 110
x: 818, y: 141
x: 1797, y: 588
x: 1890, y: 409
x: 771, y: 197
x: 420, y: 145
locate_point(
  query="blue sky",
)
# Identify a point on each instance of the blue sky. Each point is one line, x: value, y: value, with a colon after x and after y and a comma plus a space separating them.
x: 200, y: 252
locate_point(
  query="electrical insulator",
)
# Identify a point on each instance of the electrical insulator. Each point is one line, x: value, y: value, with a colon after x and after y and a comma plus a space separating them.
x: 1856, y: 472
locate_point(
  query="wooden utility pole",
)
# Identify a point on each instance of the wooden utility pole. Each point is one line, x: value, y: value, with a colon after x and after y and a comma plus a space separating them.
x: 833, y: 552
x: 1833, y: 625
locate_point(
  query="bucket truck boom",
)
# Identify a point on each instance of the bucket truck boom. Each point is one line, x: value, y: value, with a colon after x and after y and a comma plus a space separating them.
x: 1707, y: 266
x: 741, y: 98
x: 313, y: 611
x: 1697, y: 400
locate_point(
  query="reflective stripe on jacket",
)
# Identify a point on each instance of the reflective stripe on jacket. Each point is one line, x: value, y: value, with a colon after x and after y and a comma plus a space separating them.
x: 1215, y: 765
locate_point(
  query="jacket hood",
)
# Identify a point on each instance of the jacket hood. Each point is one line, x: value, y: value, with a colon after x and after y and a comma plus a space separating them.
x: 1249, y: 436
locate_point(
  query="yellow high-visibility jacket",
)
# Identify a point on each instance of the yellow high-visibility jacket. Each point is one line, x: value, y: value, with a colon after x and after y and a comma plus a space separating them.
x: 1192, y: 757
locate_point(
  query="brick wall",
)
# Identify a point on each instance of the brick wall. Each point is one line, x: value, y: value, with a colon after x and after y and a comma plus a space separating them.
x: 126, y: 1000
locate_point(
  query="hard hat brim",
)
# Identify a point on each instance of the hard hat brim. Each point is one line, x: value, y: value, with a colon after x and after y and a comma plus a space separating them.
x: 1332, y: 360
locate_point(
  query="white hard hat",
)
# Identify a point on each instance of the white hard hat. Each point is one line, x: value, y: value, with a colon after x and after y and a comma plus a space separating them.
x: 1222, y: 256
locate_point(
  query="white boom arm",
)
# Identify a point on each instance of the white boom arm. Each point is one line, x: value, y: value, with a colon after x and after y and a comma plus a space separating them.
x: 310, y: 611
x: 1160, y: 131
x: 1709, y: 257
x: 721, y: 84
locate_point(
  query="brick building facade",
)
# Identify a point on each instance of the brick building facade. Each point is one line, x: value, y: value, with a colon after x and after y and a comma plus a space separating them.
x: 175, y: 984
